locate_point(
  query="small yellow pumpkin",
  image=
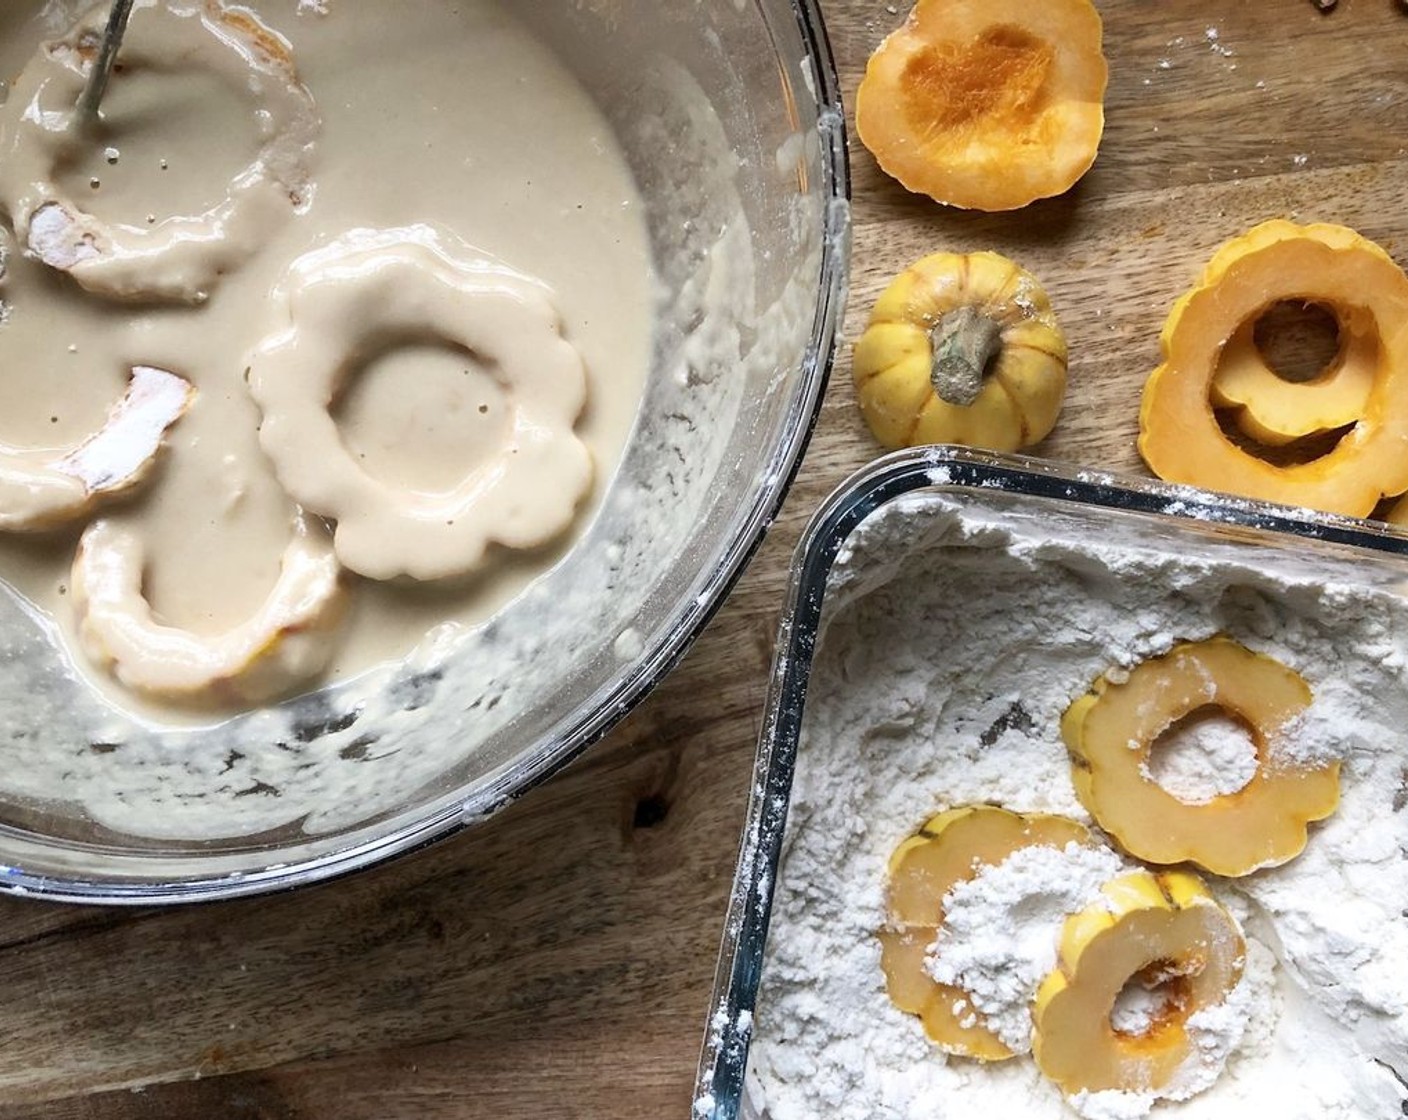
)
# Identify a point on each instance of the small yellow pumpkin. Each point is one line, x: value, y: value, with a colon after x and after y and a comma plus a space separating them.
x: 987, y: 104
x: 1179, y: 435
x: 961, y: 348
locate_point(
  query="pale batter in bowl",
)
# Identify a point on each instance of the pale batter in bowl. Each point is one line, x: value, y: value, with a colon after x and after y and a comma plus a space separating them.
x: 665, y: 186
x: 395, y: 142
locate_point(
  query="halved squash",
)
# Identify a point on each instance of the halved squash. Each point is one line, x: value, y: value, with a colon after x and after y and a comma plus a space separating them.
x: 987, y: 104
x: 1273, y: 410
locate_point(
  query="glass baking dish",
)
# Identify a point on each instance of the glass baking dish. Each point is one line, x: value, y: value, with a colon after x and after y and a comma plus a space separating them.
x: 1176, y: 520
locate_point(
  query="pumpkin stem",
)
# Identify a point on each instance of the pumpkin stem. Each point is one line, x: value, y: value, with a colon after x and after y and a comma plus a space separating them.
x: 964, y: 341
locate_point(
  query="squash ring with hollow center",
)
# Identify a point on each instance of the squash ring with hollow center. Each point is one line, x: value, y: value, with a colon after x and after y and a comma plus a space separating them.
x: 180, y: 258
x: 1111, y: 731
x: 1179, y: 436
x: 1274, y: 411
x: 287, y: 642
x: 374, y: 288
x: 1159, y: 930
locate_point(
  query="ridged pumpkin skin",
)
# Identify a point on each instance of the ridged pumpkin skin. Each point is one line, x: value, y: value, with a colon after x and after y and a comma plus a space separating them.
x: 951, y: 848
x: 1166, y: 924
x: 1179, y: 436
x: 1021, y: 395
x: 987, y: 104
x: 1111, y: 731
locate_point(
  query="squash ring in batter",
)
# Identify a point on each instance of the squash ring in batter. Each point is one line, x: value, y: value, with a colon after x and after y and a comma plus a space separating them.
x: 181, y: 258
x: 377, y: 288
x: 287, y: 642
x: 39, y: 492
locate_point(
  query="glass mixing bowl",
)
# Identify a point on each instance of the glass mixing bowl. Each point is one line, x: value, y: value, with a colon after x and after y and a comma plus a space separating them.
x: 730, y: 117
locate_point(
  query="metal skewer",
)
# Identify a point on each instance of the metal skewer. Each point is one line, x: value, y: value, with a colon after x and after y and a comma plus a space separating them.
x: 102, y: 66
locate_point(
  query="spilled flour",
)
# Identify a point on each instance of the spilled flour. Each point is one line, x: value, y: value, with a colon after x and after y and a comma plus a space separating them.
x: 954, y: 640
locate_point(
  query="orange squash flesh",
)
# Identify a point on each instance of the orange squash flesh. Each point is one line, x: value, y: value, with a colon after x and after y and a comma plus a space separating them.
x: 1162, y: 925
x: 987, y: 104
x: 1179, y: 435
x: 1273, y: 411
x: 1111, y: 731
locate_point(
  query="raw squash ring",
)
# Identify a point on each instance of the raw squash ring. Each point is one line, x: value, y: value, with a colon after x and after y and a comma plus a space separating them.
x: 372, y: 288
x: 1278, y: 260
x: 181, y: 258
x: 987, y: 104
x: 1274, y: 411
x: 1111, y: 731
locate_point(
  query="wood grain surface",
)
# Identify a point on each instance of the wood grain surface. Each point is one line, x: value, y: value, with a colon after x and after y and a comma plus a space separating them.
x: 557, y: 962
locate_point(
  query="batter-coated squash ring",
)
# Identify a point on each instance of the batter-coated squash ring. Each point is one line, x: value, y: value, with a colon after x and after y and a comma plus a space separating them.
x: 285, y: 643
x: 1179, y: 434
x: 372, y: 288
x: 40, y: 491
x: 181, y: 258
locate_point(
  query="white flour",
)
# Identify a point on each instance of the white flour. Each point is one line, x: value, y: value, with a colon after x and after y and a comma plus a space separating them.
x: 1001, y: 927
x: 1203, y: 758
x: 954, y: 642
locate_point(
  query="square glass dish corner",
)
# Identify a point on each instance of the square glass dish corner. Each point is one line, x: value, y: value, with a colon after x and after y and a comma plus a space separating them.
x: 1039, y: 501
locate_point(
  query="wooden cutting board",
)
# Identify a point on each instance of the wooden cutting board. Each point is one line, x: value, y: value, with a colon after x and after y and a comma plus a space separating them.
x: 558, y: 961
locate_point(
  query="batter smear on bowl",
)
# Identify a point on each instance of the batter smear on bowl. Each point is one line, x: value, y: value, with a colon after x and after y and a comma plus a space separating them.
x: 379, y: 354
